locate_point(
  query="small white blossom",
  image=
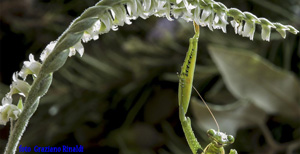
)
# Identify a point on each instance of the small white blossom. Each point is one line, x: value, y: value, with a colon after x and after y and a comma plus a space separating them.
x: 163, y: 9
x: 177, y: 11
x: 92, y: 33
x: 249, y: 27
x: 147, y: 5
x: 18, y: 86
x: 189, y: 7
x: 281, y: 29
x: 184, y: 10
x: 49, y: 48
x: 132, y: 9
x: 238, y: 27
x: 6, y: 100
x: 292, y: 29
x: 77, y: 47
x: 30, y: 67
x: 197, y: 12
x: 119, y: 15
x: 9, y: 111
x: 237, y: 22
x: 106, y: 23
x: 207, y: 17
x: 266, y: 29
x: 220, y: 20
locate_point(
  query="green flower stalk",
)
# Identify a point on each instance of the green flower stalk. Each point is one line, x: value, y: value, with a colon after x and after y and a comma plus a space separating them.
x: 100, y: 19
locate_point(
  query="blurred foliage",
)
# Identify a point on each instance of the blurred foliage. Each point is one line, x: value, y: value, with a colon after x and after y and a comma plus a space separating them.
x: 121, y: 96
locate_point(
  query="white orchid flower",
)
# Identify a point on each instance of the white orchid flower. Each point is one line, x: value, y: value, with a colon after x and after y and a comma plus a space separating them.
x: 18, y: 86
x: 49, y: 48
x: 249, y: 27
x: 266, y: 28
x: 30, y: 67
x: 9, y: 111
x: 77, y: 47
x: 220, y: 20
x: 281, y: 29
x: 238, y: 17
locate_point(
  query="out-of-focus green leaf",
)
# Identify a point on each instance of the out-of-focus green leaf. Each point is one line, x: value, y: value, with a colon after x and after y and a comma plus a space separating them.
x: 230, y: 117
x: 249, y: 76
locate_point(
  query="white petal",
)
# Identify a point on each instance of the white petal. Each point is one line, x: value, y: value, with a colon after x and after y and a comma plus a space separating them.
x: 7, y: 112
x: 266, y: 33
x: 96, y: 26
x: 205, y: 14
x: 240, y: 29
x: 119, y: 15
x: 132, y: 9
x: 30, y: 67
x: 113, y: 14
x: 236, y: 26
x: 15, y: 76
x: 106, y: 19
x: 79, y: 47
x: 178, y: 1
x: 197, y: 15
x: 49, y: 48
x: 72, y: 52
x: 16, y: 113
x: 282, y: 33
x: 86, y: 37
x: 249, y: 29
x: 114, y: 28
x: 31, y: 58
x: 147, y: 5
x: 22, y: 87
x: 4, y: 114
x: 6, y: 100
x: 24, y: 72
x: 19, y: 86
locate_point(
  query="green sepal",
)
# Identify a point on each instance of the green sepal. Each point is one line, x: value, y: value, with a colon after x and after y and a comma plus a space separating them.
x: 281, y: 29
x: 219, y: 7
x: 94, y: 11
x: 251, y: 17
x: 236, y: 14
x: 83, y: 25
x: 266, y: 22
x: 20, y: 104
x: 292, y: 29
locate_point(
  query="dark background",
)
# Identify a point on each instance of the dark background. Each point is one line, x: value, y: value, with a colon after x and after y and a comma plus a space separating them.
x: 121, y: 96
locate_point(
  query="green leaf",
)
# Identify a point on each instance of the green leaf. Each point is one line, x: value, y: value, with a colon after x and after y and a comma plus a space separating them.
x: 249, y: 76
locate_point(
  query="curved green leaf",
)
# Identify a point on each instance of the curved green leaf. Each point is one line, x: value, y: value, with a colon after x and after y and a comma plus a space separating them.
x: 249, y: 76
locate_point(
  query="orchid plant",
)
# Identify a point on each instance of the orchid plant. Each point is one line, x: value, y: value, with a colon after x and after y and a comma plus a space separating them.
x: 100, y: 19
